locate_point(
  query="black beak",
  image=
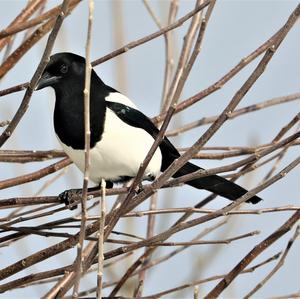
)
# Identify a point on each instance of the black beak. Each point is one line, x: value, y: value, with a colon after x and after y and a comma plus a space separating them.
x: 47, y: 80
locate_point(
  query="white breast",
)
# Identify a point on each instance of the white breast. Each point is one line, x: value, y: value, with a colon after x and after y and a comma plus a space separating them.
x: 119, y: 153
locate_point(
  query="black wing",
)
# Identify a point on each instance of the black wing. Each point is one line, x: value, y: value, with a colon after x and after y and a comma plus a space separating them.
x: 136, y: 118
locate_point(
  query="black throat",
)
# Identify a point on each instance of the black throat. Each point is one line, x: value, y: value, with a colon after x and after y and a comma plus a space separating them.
x: 69, y: 111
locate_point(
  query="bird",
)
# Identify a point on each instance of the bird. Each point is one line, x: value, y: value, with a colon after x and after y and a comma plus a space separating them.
x: 121, y: 135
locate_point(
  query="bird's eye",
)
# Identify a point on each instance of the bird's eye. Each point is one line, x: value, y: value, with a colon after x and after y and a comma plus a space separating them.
x: 63, y: 68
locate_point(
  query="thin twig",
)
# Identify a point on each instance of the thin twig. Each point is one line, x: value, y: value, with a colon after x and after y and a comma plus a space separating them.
x: 236, y: 113
x: 147, y: 38
x: 17, y: 156
x: 208, y: 211
x: 87, y: 144
x: 52, y: 13
x: 36, y: 175
x: 101, y: 241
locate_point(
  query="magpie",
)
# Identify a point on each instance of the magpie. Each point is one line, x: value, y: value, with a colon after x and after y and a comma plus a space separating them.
x: 121, y: 135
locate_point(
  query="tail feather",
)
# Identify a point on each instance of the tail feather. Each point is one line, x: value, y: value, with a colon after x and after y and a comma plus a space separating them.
x: 215, y: 184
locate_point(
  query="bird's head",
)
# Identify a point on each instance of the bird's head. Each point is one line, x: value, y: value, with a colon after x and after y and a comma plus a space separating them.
x: 61, y: 68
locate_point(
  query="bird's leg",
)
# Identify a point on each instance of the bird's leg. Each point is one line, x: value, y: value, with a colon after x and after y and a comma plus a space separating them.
x: 71, y: 197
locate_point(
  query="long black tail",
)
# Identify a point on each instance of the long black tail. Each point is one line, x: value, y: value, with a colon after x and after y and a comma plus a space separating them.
x: 215, y: 184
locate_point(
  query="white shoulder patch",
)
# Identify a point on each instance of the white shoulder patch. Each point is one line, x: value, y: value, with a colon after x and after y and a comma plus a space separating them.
x: 120, y: 98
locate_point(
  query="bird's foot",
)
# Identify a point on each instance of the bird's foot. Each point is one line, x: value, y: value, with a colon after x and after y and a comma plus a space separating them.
x: 70, y: 198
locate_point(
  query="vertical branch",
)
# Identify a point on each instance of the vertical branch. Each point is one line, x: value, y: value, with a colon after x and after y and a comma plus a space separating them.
x: 87, y: 137
x: 169, y: 64
x: 169, y: 59
x: 169, y: 53
x: 197, y: 47
x: 196, y: 292
x: 118, y: 40
x: 135, y: 183
x: 186, y: 48
x: 150, y: 233
x: 101, y: 241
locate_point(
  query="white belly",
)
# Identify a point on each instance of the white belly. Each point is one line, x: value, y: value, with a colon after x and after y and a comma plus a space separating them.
x: 119, y: 153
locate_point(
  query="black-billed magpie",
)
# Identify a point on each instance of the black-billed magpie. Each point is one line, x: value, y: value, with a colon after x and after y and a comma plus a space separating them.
x: 121, y: 135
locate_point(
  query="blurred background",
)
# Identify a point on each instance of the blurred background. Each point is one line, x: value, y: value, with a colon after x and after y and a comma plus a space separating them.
x: 235, y: 29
